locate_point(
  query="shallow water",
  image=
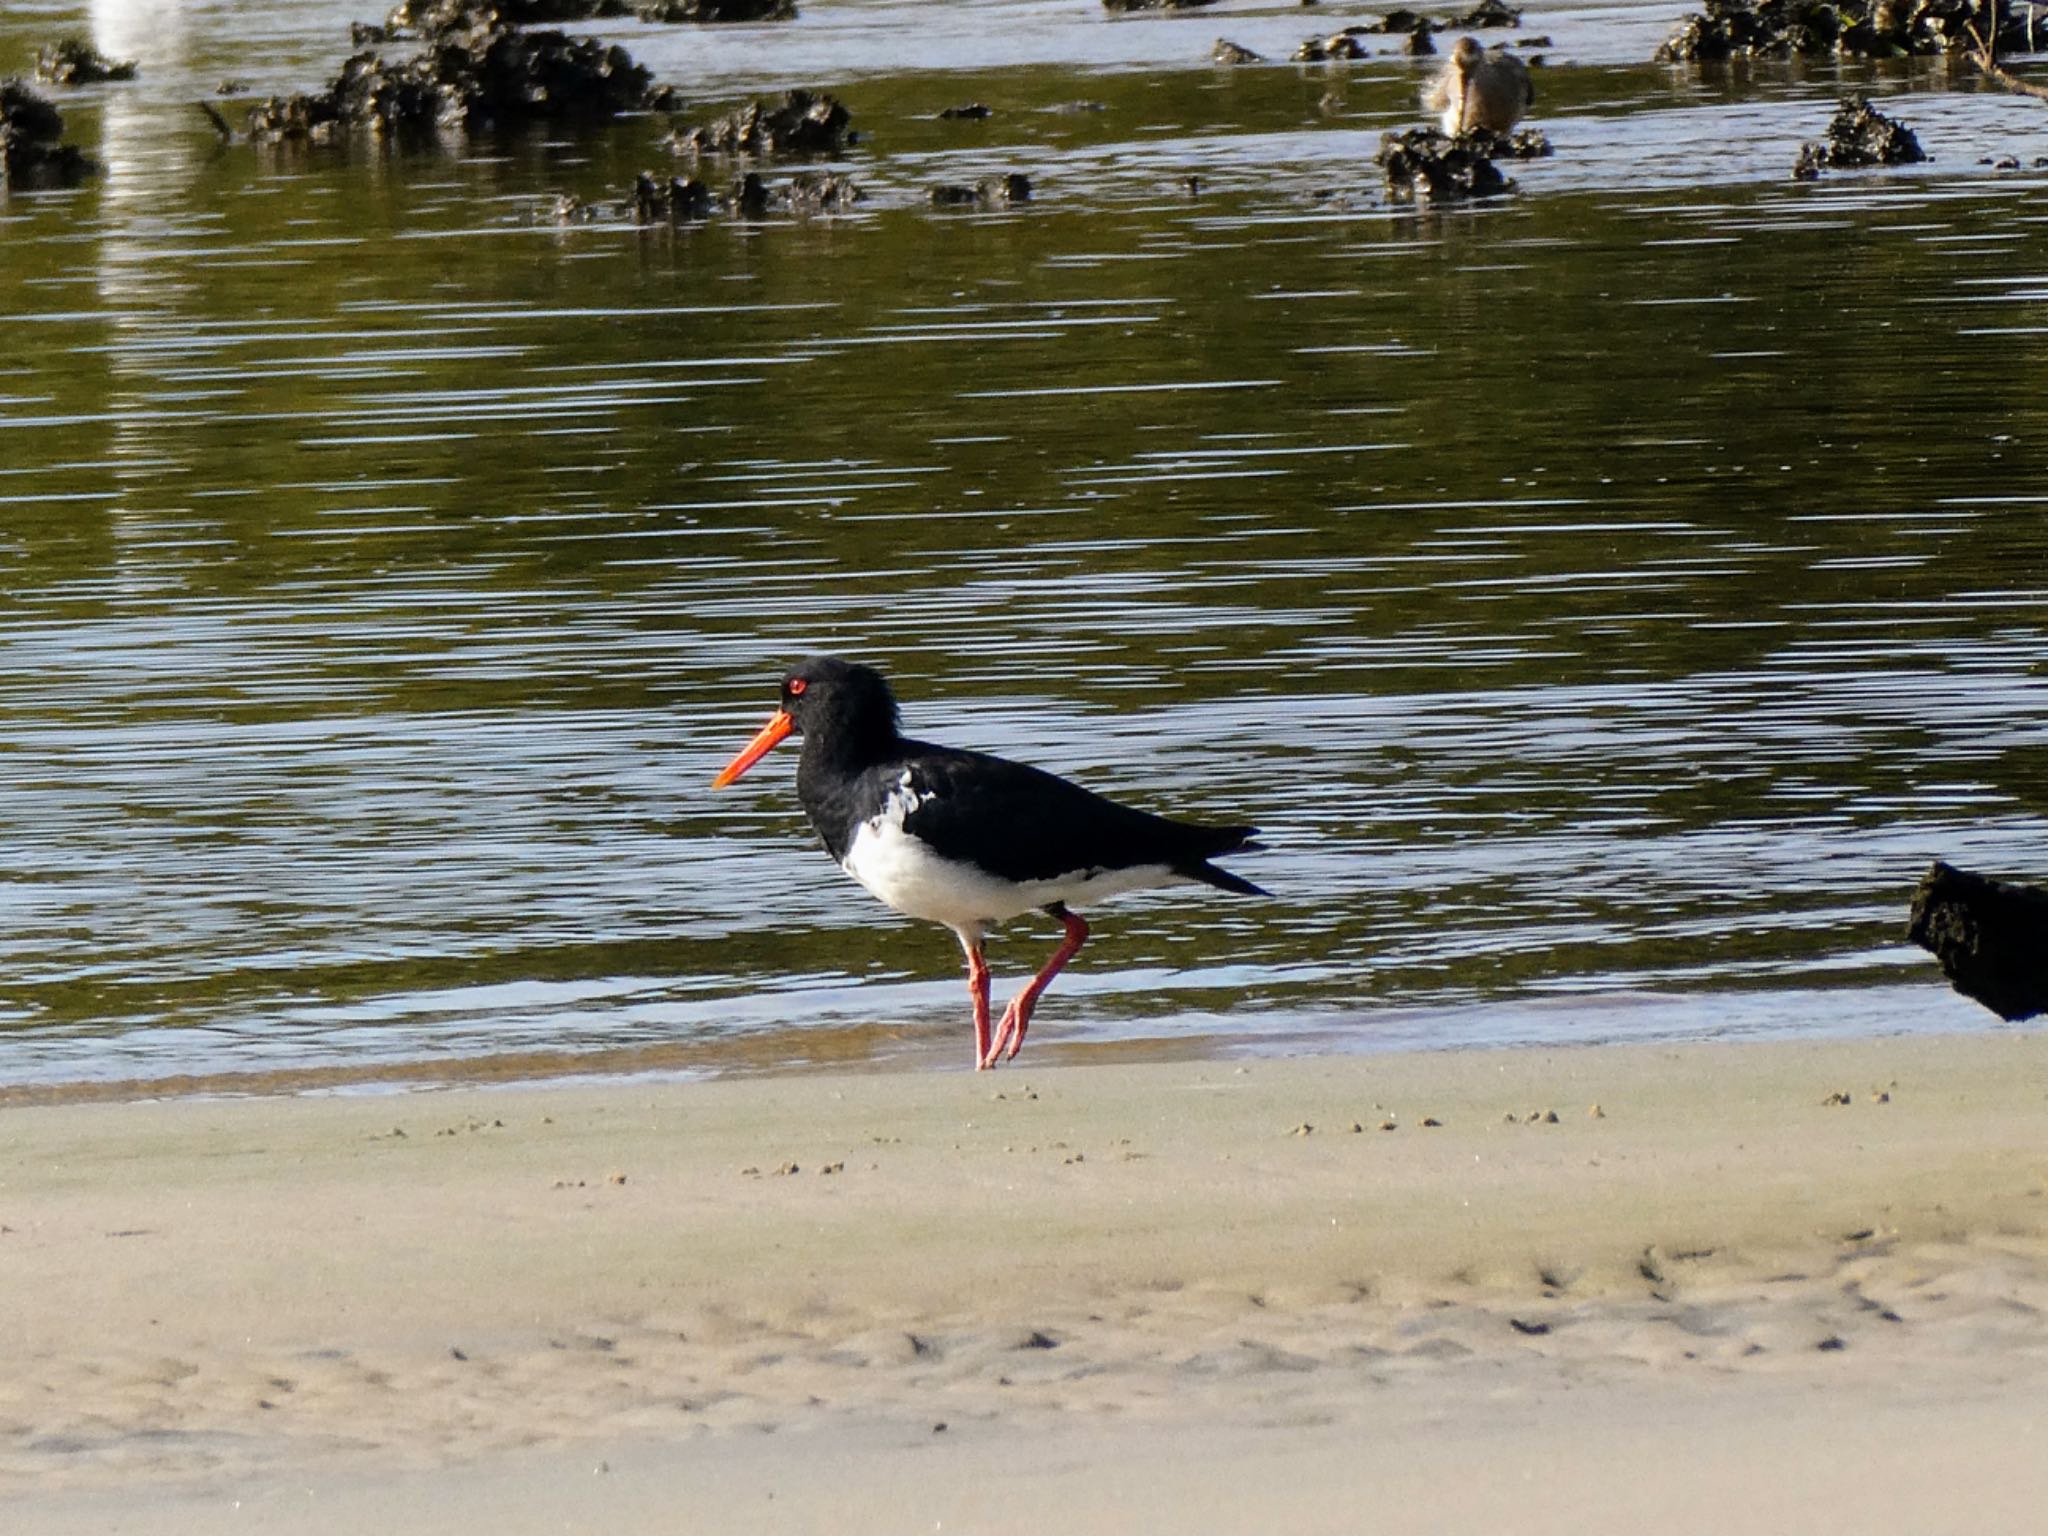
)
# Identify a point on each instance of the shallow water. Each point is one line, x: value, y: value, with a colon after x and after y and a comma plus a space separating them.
x: 1607, y: 600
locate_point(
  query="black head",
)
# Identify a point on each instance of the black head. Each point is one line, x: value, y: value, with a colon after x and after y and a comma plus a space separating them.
x: 844, y: 711
x: 824, y: 696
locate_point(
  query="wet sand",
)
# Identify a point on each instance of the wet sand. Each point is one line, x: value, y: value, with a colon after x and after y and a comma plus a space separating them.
x: 1801, y: 1284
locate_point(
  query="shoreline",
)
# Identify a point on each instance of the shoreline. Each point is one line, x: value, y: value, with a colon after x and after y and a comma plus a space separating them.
x: 1648, y: 1019
x: 1078, y: 1270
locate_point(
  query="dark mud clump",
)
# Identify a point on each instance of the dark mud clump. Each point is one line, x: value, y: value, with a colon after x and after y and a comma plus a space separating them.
x: 1487, y: 13
x: 1413, y: 26
x: 32, y: 151
x: 1529, y: 144
x: 423, y: 17
x: 1435, y: 166
x: 1348, y: 44
x: 671, y: 200
x: 1154, y: 5
x: 1859, y: 136
x: 475, y: 72
x: 1873, y: 29
x: 708, y: 12
x: 73, y: 62
x: 1990, y: 936
x: 1227, y: 52
x: 680, y: 200
x: 821, y: 192
x: 801, y: 123
x: 972, y: 111
x: 989, y: 192
x: 806, y: 193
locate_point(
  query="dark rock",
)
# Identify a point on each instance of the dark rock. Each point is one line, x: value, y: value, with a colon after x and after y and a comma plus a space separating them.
x: 232, y: 88
x: 571, y: 209
x: 1154, y: 5
x: 428, y: 16
x: 32, y: 151
x: 75, y: 62
x: 989, y: 192
x: 1416, y: 28
x: 1876, y: 29
x: 1487, y: 13
x: 750, y: 196
x: 477, y: 72
x: 1227, y: 52
x: 971, y: 110
x: 1859, y: 136
x: 821, y: 192
x: 670, y: 200
x: 1435, y: 166
x: 1338, y: 45
x: 801, y: 123
x: 1528, y: 144
x: 678, y: 200
x: 712, y: 11
x: 1990, y: 936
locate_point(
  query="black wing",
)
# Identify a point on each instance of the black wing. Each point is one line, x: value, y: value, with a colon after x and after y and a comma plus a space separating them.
x: 1021, y: 823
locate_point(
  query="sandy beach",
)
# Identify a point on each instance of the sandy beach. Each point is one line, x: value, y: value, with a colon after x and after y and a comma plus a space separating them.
x: 1792, y: 1285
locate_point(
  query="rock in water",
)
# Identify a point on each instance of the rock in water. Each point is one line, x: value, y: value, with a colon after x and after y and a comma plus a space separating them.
x: 1438, y: 167
x: 32, y: 151
x: 1990, y: 936
x: 801, y: 123
x: 475, y: 72
x: 1859, y: 136
x: 989, y: 192
x: 1871, y: 29
x: 709, y: 11
x: 74, y: 62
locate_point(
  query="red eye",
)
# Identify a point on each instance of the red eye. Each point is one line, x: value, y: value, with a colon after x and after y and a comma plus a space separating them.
x: 796, y: 685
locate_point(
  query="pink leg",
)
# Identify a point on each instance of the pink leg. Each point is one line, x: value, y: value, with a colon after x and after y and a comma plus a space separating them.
x: 1017, y: 1017
x: 977, y: 988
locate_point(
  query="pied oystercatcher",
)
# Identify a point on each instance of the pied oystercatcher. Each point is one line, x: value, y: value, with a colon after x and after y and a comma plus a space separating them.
x: 966, y: 839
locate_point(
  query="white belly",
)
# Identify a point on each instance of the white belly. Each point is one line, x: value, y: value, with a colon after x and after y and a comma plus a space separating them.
x: 904, y: 872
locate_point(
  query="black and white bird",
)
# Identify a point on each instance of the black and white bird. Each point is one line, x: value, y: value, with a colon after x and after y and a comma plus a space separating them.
x: 966, y: 839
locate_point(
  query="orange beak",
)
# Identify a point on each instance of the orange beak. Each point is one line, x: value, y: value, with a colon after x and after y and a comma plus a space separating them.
x: 777, y: 728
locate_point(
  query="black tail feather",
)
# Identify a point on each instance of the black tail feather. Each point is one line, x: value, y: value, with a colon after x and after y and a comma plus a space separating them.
x: 1222, y: 879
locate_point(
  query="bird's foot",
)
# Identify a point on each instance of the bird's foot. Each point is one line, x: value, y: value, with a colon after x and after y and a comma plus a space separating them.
x: 1009, y: 1034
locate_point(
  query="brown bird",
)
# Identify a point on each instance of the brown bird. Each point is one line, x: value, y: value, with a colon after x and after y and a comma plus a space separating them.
x: 1478, y: 89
